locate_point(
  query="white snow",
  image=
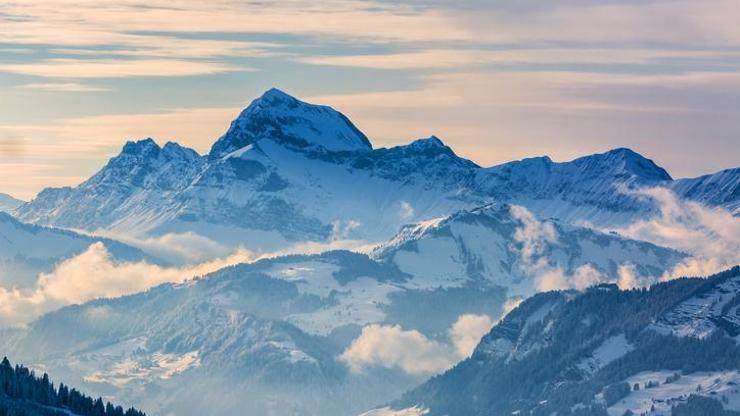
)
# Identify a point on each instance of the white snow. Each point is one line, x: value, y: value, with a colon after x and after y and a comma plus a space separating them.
x: 694, y: 317
x: 145, y: 369
x: 713, y: 384
x: 239, y: 152
x: 387, y: 411
x: 613, y: 348
x: 359, y: 301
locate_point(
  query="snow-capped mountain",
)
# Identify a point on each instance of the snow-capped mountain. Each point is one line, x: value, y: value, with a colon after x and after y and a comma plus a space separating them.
x: 288, y: 121
x: 592, y: 188
x: 27, y: 249
x: 720, y: 189
x: 8, y: 203
x: 603, y: 351
x: 507, y: 246
x: 288, y: 171
x: 454, y: 239
x: 274, y: 330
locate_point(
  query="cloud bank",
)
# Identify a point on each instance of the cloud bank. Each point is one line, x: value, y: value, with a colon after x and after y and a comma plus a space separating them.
x: 710, y: 235
x: 94, y: 274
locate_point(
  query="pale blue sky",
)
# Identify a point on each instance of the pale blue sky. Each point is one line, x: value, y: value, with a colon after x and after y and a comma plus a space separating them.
x: 496, y: 80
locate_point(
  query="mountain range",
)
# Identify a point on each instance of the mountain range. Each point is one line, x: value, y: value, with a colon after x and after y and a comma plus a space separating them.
x: 279, y: 325
x: 288, y: 171
x: 446, y: 245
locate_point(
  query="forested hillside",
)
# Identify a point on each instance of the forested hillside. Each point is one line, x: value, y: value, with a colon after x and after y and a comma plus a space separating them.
x: 23, y: 393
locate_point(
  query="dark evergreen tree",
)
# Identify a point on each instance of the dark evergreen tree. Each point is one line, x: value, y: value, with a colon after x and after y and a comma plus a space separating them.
x: 22, y: 393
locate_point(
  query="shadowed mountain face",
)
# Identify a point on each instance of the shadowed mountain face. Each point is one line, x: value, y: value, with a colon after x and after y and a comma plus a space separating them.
x: 596, y: 352
x: 287, y: 171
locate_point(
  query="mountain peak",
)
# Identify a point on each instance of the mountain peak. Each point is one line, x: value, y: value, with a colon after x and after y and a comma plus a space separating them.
x: 428, y: 143
x: 140, y: 146
x: 275, y: 94
x: 286, y: 120
x: 623, y: 161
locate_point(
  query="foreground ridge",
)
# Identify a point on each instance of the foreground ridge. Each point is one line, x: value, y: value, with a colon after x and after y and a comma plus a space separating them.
x: 672, y: 347
x: 23, y: 393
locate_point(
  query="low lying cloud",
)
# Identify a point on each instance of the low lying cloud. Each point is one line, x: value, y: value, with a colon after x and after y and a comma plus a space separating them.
x: 406, y: 211
x: 176, y: 248
x: 94, y: 274
x: 710, y: 235
x: 341, y: 230
x: 535, y: 236
x: 467, y: 332
x: 391, y: 346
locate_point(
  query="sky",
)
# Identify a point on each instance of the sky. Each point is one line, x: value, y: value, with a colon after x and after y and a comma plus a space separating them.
x: 497, y: 80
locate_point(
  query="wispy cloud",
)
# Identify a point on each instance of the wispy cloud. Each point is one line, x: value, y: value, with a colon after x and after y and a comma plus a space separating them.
x: 63, y: 87
x: 94, y: 23
x: 535, y: 237
x: 108, y: 68
x: 710, y: 235
x: 486, y: 115
x: 460, y: 58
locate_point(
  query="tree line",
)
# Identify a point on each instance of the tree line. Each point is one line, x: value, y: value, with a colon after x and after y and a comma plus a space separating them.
x: 22, y: 393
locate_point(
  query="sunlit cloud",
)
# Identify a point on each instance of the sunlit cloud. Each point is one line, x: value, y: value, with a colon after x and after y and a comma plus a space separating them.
x: 81, y: 68
x: 63, y: 87
x: 94, y: 274
x: 391, y: 346
x: 457, y: 58
x: 87, y: 21
x: 710, y: 235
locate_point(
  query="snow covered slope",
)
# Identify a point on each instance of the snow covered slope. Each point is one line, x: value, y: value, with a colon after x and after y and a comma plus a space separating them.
x: 8, y: 203
x: 506, y: 246
x: 274, y: 330
x: 718, y: 189
x: 599, y: 352
x: 285, y: 171
x: 284, y: 119
x: 224, y: 336
x: 288, y: 171
x: 585, y: 189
